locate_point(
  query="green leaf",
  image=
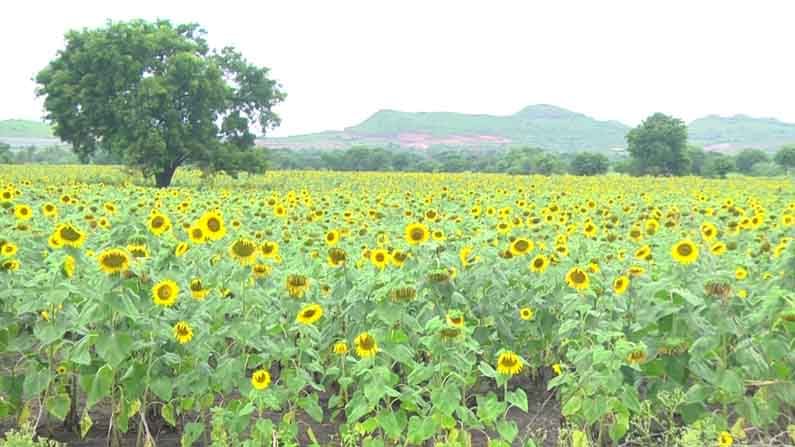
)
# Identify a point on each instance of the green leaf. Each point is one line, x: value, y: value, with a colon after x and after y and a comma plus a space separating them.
x: 114, y: 348
x: 487, y: 370
x: 100, y: 385
x: 594, y: 409
x: 162, y: 387
x: 572, y: 406
x: 168, y: 414
x: 619, y: 427
x: 58, y: 405
x: 310, y: 405
x: 420, y: 429
x: 732, y: 384
x: 191, y: 433
x: 85, y: 423
x: 518, y: 398
x: 35, y: 382
x: 81, y: 351
x: 391, y: 423
x: 579, y: 439
x: 508, y: 430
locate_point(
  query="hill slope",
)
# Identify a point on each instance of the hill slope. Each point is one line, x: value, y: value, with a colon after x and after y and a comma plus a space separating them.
x: 24, y: 129
x: 739, y: 132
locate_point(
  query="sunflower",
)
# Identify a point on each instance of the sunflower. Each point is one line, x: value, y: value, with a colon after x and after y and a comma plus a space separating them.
x: 181, y: 249
x: 68, y: 266
x: 158, y: 223
x: 138, y: 250
x: 9, y: 265
x: 366, y: 346
x: 708, y: 231
x: 8, y: 249
x: 309, y: 314
x: 621, y: 284
x: 636, y: 357
x: 261, y: 270
x: 261, y: 379
x: 455, y: 319
x: 590, y: 230
x: 718, y: 248
x: 212, y: 222
x: 336, y: 257
x: 340, y: 348
x: 466, y: 257
x: 521, y: 246
x: 332, y: 238
x: 526, y: 313
x: 270, y: 249
x: 183, y: 332
x: 197, y: 290
x: 297, y: 285
x: 725, y: 439
x: 196, y: 234
x: 577, y: 279
x: 643, y: 253
x: 165, y: 293
x: 398, y: 258
x: 684, y: 252
x: 113, y: 260
x: 417, y: 233
x: 244, y: 251
x: 49, y: 210
x: 22, y: 212
x: 380, y: 258
x: 509, y: 364
x: 740, y: 273
x: 69, y: 235
x: 539, y: 264
x: 438, y: 235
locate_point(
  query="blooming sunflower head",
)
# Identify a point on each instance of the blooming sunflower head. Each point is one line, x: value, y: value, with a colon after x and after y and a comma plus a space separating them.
x: 509, y: 364
x: 577, y: 279
x: 685, y: 252
x: 244, y: 251
x: 261, y: 379
x: 526, y: 313
x: 366, y: 345
x: 183, y: 332
x: 417, y: 233
x: 113, y: 260
x: 309, y: 314
x: 165, y: 293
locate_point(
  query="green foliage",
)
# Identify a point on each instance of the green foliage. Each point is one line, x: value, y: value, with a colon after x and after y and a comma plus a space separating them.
x: 6, y: 156
x: 24, y: 129
x: 588, y: 163
x: 25, y: 438
x: 153, y: 94
x: 785, y: 157
x: 747, y: 158
x: 659, y: 144
x: 717, y: 165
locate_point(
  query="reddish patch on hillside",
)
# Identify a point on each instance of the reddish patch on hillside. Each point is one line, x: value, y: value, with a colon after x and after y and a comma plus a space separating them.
x: 424, y: 140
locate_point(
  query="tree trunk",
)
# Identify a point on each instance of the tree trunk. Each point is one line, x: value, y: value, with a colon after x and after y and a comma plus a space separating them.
x: 163, y: 178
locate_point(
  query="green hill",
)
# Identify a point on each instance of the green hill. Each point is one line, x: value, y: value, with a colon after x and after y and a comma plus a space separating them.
x: 24, y: 129
x: 740, y: 131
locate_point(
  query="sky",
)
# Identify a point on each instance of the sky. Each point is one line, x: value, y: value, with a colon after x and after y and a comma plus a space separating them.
x: 340, y: 61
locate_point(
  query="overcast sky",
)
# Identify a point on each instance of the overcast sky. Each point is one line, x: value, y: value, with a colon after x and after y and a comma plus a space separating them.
x: 340, y: 61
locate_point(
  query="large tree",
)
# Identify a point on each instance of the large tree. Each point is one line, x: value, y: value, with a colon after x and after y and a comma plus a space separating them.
x: 659, y: 145
x: 589, y: 163
x: 747, y: 158
x: 156, y: 96
x: 785, y: 157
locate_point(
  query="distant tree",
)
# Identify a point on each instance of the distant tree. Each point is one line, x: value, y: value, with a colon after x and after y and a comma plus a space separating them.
x: 548, y: 164
x: 785, y: 157
x: 718, y: 165
x: 766, y: 169
x: 747, y: 158
x: 659, y: 144
x: 155, y: 95
x: 697, y: 157
x: 6, y: 157
x: 589, y: 163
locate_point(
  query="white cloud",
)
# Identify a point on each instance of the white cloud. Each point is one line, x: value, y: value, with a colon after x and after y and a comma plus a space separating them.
x: 341, y: 61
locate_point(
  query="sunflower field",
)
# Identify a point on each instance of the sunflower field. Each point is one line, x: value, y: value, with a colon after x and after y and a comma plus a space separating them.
x: 407, y: 309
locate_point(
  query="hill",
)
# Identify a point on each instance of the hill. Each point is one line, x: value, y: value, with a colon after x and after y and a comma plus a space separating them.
x: 541, y: 125
x: 24, y: 129
x: 729, y: 134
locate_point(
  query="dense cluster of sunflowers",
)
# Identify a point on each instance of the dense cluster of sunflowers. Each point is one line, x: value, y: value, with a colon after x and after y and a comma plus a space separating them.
x: 396, y: 300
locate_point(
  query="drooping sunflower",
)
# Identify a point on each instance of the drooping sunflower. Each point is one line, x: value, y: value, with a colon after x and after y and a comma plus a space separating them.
x: 212, y: 222
x: 643, y: 253
x: 260, y: 270
x: 165, y: 293
x: 621, y: 284
x: 309, y: 314
x: 509, y: 364
x: 539, y: 264
x: 138, y: 250
x: 685, y: 252
x: 465, y: 256
x: 183, y: 332
x: 455, y: 319
x: 636, y: 357
x: 718, y: 248
x: 244, y: 251
x: 270, y: 249
x: 577, y: 279
x: 197, y: 289
x: 336, y: 257
x: 68, y: 266
x: 526, y: 313
x: 380, y: 258
x: 22, y: 212
x: 366, y: 346
x: 398, y: 258
x: 417, y: 233
x: 181, y: 249
x: 740, y: 273
x: 521, y: 246
x: 297, y: 285
x: 10, y: 265
x: 113, y: 260
x: 69, y: 235
x: 261, y: 379
x: 158, y: 223
x: 340, y: 348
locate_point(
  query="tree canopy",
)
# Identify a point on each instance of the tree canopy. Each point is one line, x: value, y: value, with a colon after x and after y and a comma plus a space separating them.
x: 785, y: 157
x: 659, y: 145
x: 589, y: 163
x: 154, y: 95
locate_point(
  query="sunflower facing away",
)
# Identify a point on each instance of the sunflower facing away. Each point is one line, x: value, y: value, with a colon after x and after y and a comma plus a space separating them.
x: 261, y: 379
x: 113, y: 260
x: 165, y: 293
x: 309, y: 314
x: 684, y: 252
x: 366, y: 346
x: 509, y: 364
x: 577, y: 279
x: 183, y: 332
